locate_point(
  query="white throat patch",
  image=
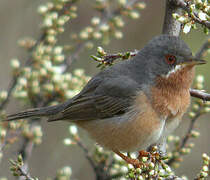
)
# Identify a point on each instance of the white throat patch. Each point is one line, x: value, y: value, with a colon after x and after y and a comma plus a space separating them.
x: 175, y: 69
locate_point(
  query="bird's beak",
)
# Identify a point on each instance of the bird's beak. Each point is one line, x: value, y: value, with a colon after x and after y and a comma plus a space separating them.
x: 194, y: 61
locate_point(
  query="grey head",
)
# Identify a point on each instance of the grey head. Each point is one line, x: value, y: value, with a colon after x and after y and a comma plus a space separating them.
x: 166, y: 54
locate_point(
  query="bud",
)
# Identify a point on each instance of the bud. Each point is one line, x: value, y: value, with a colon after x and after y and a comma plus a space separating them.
x: 207, y: 109
x: 152, y: 172
x: 73, y: 130
x: 97, y: 35
x: 104, y: 27
x: 84, y: 35
x: 195, y: 133
x: 42, y: 9
x: 122, y: 2
x: 205, y: 168
x: 101, y: 51
x: 67, y: 141
x: 3, y: 95
x: 67, y: 171
x: 134, y: 15
x: 151, y: 165
x: 20, y: 159
x: 192, y: 114
x: 187, y: 28
x: 205, y: 157
x: 95, y: 20
x: 203, y: 174
x: 141, y: 5
x: 118, y: 34
x: 124, y: 169
x: 15, y: 63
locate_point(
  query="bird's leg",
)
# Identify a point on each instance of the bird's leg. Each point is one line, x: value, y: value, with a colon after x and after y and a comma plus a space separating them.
x: 134, y: 162
x: 142, y: 154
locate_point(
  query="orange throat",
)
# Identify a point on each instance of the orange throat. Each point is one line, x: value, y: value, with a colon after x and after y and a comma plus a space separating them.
x: 170, y: 95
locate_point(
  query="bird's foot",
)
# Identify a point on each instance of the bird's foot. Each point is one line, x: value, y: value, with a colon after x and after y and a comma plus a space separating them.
x: 143, y: 154
x: 153, y: 156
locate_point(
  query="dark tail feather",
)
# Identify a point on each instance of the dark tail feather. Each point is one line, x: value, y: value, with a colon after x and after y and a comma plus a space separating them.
x: 37, y: 112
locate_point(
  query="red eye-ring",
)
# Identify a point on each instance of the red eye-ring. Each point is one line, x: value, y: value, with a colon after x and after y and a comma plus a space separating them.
x: 170, y: 59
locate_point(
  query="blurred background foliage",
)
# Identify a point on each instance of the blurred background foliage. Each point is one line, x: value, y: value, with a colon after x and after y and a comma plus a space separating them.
x: 20, y: 19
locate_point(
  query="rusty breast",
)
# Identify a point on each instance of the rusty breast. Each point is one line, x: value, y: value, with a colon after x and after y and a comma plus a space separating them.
x: 170, y: 96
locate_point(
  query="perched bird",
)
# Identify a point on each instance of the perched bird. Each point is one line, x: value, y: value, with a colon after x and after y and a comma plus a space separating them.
x: 135, y: 103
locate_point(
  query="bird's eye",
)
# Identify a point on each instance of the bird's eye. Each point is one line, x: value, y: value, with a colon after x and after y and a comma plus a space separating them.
x: 170, y: 59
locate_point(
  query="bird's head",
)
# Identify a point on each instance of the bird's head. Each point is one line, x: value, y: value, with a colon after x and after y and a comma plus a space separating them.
x: 168, y: 54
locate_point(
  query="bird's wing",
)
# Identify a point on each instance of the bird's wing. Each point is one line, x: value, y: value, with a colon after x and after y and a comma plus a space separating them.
x: 100, y: 99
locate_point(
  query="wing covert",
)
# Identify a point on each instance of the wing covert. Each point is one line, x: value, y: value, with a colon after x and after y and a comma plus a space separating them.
x: 100, y: 99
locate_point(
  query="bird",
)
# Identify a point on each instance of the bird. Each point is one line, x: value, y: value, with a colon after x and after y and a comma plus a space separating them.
x: 135, y: 103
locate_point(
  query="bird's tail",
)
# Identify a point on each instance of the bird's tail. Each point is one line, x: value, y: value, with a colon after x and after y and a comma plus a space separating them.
x: 36, y: 112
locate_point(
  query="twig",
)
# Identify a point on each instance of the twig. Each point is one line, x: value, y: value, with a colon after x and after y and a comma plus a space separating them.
x: 24, y: 174
x: 86, y: 151
x: 185, y: 6
x: 19, y: 170
x: 203, y: 49
x: 186, y: 136
x: 106, y: 16
x: 200, y: 94
x: 190, y: 129
x: 69, y: 60
x: 28, y: 62
x: 100, y: 173
x: 27, y: 147
x: 14, y: 81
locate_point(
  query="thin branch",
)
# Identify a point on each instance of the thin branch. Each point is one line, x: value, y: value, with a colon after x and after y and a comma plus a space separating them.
x: 86, y: 151
x: 186, y: 136
x: 200, y: 94
x: 110, y: 58
x: 19, y: 170
x: 29, y: 61
x: 193, y: 15
x: 71, y: 58
x: 106, y: 16
x: 14, y: 81
x: 203, y: 49
x: 24, y: 173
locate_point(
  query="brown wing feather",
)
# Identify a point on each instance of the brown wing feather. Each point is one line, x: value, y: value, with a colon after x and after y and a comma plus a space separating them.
x: 101, y: 98
x: 92, y: 107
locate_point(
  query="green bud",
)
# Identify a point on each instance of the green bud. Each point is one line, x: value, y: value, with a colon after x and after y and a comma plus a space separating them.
x: 20, y: 159
x: 195, y: 133
x: 206, y: 30
x: 101, y: 51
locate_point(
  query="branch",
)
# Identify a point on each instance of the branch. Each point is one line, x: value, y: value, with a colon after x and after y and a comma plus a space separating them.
x: 106, y: 16
x: 19, y: 170
x: 24, y: 173
x: 170, y: 25
x: 14, y: 81
x: 186, y: 136
x: 193, y: 15
x: 86, y: 151
x: 203, y: 49
x: 200, y: 94
x: 29, y: 61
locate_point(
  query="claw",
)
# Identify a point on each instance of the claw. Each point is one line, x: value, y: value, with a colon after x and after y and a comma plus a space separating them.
x: 142, y: 154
